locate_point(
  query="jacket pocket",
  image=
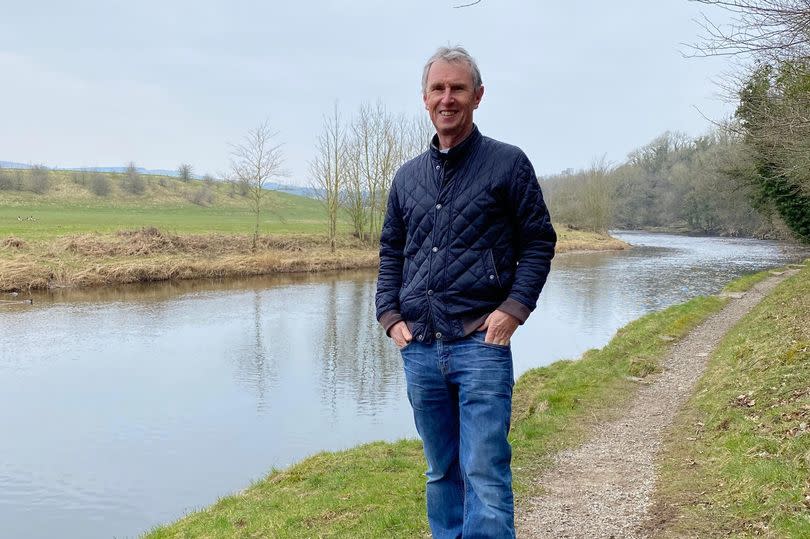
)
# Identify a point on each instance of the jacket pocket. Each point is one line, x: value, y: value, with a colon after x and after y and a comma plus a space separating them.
x: 492, y: 269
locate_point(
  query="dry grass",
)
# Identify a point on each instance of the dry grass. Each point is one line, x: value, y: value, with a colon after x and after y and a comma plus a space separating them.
x: 151, y: 254
x: 12, y: 242
x: 570, y: 240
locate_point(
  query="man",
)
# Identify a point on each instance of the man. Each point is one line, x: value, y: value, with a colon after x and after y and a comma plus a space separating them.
x: 465, y: 250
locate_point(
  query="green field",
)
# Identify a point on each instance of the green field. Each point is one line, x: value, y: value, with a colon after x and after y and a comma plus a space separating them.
x: 69, y: 207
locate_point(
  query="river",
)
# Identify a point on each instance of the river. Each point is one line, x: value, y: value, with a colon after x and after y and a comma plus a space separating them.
x: 122, y: 408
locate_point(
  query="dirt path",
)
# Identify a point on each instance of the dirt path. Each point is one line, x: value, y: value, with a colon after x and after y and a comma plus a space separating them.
x: 603, y: 489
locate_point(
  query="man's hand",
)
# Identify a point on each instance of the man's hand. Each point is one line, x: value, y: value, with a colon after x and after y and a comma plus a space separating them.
x: 499, y: 326
x: 401, y: 334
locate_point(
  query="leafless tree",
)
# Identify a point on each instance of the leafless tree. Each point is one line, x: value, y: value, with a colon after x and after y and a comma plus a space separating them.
x: 39, y: 179
x: 377, y: 147
x: 328, y: 169
x: 380, y: 144
x: 766, y: 30
x: 133, y: 182
x: 256, y: 161
x: 185, y: 172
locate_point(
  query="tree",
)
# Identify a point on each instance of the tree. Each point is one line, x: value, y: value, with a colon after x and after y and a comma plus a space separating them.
x: 378, y: 144
x: 770, y: 30
x: 39, y: 179
x: 328, y: 170
x: 774, y: 99
x: 257, y: 160
x: 185, y: 172
x: 133, y: 182
x: 98, y: 184
x: 774, y: 113
x: 375, y: 155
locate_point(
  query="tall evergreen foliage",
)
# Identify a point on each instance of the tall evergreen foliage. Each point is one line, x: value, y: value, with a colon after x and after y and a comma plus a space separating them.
x: 772, y: 40
x: 774, y: 114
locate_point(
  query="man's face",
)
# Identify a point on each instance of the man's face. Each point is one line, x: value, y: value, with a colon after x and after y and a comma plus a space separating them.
x: 450, y: 98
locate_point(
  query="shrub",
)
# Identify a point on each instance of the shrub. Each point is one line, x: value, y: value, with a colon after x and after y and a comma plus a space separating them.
x: 6, y: 180
x: 99, y: 184
x: 203, y: 196
x: 133, y: 182
x: 39, y: 180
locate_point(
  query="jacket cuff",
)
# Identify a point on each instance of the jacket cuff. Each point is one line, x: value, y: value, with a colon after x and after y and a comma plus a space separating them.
x: 388, y: 319
x: 516, y: 309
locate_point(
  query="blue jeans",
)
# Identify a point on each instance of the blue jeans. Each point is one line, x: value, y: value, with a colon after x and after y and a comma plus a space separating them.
x: 461, y: 395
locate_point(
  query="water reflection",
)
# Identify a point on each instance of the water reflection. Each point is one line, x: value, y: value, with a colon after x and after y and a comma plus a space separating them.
x: 356, y: 357
x: 255, y: 361
x: 113, y: 401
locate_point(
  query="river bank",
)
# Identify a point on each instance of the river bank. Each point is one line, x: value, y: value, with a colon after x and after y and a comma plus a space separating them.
x: 736, y: 462
x: 151, y: 254
x: 376, y: 490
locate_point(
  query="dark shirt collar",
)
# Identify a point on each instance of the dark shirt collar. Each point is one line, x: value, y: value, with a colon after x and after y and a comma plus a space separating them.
x: 459, y: 151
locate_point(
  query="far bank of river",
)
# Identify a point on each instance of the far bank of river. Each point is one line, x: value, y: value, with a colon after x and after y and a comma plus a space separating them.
x: 153, y: 255
x: 128, y: 407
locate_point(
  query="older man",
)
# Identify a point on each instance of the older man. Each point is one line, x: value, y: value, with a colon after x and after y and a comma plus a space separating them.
x: 465, y: 250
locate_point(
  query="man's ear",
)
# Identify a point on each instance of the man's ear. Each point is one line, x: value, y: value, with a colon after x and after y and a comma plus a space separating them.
x: 479, y: 94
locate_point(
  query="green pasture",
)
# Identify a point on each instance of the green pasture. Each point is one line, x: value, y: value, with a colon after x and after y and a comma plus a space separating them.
x: 70, y: 208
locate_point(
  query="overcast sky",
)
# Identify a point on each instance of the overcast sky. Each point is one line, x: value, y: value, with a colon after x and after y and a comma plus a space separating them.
x: 102, y: 83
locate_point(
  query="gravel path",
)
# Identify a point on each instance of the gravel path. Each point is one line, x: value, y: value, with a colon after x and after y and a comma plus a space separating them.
x: 603, y: 488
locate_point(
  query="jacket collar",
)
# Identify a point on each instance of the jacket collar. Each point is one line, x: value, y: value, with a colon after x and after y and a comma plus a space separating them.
x: 457, y: 152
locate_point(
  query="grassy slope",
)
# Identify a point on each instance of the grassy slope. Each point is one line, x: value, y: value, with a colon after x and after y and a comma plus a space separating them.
x: 69, y: 208
x: 376, y: 490
x: 737, y: 462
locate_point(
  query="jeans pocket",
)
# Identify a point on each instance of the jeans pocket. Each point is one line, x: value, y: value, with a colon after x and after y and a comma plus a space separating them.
x: 481, y: 336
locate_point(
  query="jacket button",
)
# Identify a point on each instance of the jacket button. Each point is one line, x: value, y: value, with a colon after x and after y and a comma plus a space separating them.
x: 438, y: 335
x: 435, y: 249
x: 491, y: 277
x: 420, y: 337
x: 438, y: 167
x: 438, y: 206
x: 430, y: 292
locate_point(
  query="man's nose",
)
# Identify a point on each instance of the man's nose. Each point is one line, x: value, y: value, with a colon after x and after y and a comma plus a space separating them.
x: 447, y: 96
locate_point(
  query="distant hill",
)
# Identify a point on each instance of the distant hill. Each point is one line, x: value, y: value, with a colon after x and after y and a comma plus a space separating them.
x: 291, y: 189
x: 118, y: 170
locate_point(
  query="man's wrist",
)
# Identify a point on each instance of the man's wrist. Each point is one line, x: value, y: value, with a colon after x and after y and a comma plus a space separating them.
x: 516, y: 309
x: 388, y: 319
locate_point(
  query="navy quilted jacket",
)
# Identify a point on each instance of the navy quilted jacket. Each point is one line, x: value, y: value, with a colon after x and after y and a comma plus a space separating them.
x: 466, y: 232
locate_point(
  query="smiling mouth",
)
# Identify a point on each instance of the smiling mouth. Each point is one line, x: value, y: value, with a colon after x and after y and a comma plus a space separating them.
x: 447, y: 113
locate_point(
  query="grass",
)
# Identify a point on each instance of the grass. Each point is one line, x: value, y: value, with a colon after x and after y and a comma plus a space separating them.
x: 69, y: 208
x: 746, y: 282
x: 70, y: 237
x: 376, y: 490
x: 737, y: 462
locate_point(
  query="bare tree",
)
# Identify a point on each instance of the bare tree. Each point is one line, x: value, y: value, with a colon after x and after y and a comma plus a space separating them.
x: 39, y: 179
x: 185, y: 172
x: 770, y: 30
x: 376, y: 148
x: 358, y: 164
x: 257, y: 160
x: 98, y: 184
x: 380, y: 144
x: 133, y: 182
x: 329, y: 169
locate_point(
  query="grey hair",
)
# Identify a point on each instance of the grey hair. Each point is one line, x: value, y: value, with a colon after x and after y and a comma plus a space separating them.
x: 451, y: 55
